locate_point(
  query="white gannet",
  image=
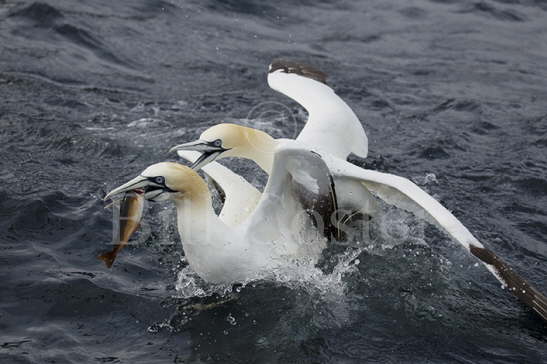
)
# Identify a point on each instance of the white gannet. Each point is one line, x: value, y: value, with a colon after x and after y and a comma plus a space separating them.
x: 279, y: 231
x: 229, y: 140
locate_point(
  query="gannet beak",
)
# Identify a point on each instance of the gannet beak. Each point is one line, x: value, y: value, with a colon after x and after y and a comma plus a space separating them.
x: 199, y: 146
x: 136, y: 183
x: 210, y: 150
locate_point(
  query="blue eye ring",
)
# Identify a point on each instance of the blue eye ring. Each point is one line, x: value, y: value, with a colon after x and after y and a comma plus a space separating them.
x: 159, y: 180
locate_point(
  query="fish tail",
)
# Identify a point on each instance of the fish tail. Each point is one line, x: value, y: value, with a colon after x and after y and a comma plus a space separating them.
x: 108, y: 258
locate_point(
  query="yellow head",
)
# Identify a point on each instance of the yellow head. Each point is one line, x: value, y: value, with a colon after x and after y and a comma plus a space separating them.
x: 230, y: 140
x: 165, y: 181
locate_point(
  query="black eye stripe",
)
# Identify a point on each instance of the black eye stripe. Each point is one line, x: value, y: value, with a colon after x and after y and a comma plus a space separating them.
x: 157, y: 180
x: 160, y: 180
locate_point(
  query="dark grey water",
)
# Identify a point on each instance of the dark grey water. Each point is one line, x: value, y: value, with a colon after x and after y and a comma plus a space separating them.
x: 92, y: 92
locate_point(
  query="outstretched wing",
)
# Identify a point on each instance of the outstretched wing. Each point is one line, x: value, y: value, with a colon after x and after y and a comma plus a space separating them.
x: 403, y: 193
x: 240, y: 197
x: 298, y: 202
x: 332, y: 126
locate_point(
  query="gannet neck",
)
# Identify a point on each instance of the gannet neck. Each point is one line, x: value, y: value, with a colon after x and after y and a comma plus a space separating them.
x: 195, y: 198
x: 206, y: 240
x: 194, y: 207
x: 261, y: 149
x: 195, y: 190
x: 196, y: 219
x: 251, y: 144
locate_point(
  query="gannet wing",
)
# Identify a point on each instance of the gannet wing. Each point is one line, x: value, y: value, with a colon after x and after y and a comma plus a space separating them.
x: 300, y: 188
x: 240, y: 197
x: 332, y: 126
x: 403, y: 193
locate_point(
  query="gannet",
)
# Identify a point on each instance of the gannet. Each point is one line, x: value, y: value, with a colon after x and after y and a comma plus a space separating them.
x: 279, y: 231
x: 230, y: 140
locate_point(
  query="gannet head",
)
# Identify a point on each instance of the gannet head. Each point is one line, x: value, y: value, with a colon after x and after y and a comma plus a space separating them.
x: 163, y: 181
x: 228, y: 140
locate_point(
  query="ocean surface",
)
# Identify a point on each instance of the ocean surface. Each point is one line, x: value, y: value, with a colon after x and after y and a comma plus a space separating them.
x: 452, y: 94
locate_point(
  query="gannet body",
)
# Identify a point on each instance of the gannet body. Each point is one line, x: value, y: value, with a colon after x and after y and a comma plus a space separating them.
x: 278, y: 232
x: 392, y: 189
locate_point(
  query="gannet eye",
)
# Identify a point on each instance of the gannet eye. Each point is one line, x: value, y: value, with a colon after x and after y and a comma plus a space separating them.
x: 159, y: 180
x: 217, y: 143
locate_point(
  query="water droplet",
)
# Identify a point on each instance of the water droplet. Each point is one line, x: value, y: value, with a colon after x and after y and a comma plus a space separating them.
x: 261, y: 341
x: 231, y: 319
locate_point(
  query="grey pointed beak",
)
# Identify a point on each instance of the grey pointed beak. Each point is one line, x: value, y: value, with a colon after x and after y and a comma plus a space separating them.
x: 210, y: 152
x: 198, y: 146
x: 204, y: 159
x: 135, y: 184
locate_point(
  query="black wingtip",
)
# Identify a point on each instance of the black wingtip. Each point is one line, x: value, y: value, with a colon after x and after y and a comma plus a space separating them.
x: 298, y: 68
x: 517, y: 285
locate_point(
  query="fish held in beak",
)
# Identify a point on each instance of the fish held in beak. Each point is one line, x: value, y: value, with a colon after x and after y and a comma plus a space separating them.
x: 131, y: 208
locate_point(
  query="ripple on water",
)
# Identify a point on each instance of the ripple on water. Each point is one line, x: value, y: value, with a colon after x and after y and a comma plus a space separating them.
x: 484, y: 8
x: 41, y: 14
